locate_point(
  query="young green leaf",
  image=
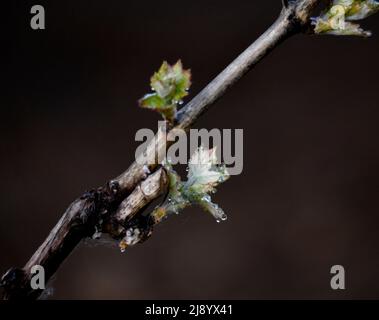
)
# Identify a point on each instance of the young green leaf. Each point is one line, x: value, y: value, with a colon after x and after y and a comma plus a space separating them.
x: 204, y: 175
x: 336, y: 20
x: 170, y: 85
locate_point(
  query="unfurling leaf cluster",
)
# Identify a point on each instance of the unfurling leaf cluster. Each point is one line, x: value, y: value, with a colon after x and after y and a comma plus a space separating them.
x: 338, y: 18
x: 204, y: 175
x: 170, y: 84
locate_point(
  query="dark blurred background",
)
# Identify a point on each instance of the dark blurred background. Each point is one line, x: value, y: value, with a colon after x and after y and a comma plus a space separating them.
x: 308, y: 196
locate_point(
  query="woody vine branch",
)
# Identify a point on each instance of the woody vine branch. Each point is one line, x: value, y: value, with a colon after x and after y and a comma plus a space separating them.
x: 117, y: 206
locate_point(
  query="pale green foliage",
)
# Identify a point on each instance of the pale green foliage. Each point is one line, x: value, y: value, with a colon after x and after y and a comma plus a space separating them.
x: 337, y: 19
x: 170, y: 85
x: 204, y: 175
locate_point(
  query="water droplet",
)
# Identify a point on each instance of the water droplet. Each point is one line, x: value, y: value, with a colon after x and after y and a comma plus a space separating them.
x: 221, y: 179
x: 206, y: 198
x: 174, y: 209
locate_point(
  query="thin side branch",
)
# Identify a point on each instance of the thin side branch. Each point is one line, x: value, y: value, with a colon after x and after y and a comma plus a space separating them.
x: 147, y: 191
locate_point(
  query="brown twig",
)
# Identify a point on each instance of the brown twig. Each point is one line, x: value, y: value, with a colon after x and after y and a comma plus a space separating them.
x: 121, y: 200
